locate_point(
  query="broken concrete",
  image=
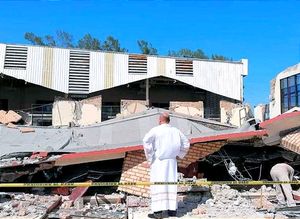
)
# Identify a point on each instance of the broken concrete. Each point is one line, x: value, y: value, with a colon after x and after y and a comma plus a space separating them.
x: 234, y: 114
x: 9, y: 117
x: 79, y: 113
x: 188, y: 108
x: 129, y: 107
x: 28, y: 205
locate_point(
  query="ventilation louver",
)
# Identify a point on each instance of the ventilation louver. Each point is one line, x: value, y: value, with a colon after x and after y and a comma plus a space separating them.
x: 137, y: 64
x: 184, y: 67
x: 79, y: 72
x: 15, y: 57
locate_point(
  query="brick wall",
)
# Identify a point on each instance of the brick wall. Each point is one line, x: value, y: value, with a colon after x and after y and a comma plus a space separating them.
x: 198, y: 151
x: 135, y: 166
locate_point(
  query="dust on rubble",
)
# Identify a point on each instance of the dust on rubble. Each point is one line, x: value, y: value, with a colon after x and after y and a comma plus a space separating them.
x: 22, y: 205
x: 220, y: 201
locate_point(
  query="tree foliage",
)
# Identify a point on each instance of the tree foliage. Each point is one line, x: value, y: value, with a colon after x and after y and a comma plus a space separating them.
x: 146, y: 48
x: 187, y: 53
x: 66, y: 40
x: 112, y: 44
x: 89, y: 42
x: 33, y: 39
x: 220, y: 57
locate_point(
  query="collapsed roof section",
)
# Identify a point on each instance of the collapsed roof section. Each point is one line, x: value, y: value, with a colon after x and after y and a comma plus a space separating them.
x: 120, y: 134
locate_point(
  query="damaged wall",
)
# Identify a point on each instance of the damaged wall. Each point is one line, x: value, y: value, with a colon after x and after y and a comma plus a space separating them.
x: 129, y: 107
x: 135, y: 166
x: 188, y: 108
x: 234, y: 114
x: 84, y: 112
x: 260, y: 112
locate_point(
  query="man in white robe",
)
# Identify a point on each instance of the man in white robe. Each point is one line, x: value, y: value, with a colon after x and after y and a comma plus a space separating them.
x: 162, y: 145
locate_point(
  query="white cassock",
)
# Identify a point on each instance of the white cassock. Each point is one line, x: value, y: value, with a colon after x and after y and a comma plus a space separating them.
x: 162, y: 144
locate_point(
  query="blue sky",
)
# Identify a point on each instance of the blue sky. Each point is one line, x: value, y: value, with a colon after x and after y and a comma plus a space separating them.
x: 267, y: 33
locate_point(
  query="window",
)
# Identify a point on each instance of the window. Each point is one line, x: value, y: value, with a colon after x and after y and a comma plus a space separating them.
x: 110, y: 110
x: 290, y: 92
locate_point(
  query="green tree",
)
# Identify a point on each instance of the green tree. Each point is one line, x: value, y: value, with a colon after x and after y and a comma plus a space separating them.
x: 220, y: 57
x: 34, y: 39
x: 112, y: 44
x: 89, y: 42
x: 187, y: 53
x: 50, y: 41
x: 64, y: 39
x: 146, y: 48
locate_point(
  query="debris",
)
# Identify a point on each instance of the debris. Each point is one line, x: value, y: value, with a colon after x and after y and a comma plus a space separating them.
x: 30, y: 205
x: 12, y: 116
x: 78, y: 192
x: 227, y: 202
x: 11, y: 125
x: 2, y: 117
x: 105, y: 199
x: 26, y: 129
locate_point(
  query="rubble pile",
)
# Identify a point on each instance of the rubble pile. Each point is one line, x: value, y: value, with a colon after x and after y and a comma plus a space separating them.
x: 107, y: 211
x: 29, y: 205
x: 228, y: 202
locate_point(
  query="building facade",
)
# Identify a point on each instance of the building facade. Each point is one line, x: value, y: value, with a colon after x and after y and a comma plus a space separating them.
x: 33, y: 76
x: 285, y: 91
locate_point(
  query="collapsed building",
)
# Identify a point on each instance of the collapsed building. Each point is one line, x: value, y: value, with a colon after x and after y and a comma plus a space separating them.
x: 112, y: 151
x: 47, y: 154
x: 97, y: 107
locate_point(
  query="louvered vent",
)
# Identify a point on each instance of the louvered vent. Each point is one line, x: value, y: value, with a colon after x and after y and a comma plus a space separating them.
x: 137, y: 64
x: 79, y: 72
x: 184, y: 67
x: 15, y: 57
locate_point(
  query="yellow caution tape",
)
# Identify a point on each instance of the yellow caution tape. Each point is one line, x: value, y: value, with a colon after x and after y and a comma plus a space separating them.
x: 140, y: 183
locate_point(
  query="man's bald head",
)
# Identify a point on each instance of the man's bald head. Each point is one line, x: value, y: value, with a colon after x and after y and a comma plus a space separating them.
x: 164, y: 118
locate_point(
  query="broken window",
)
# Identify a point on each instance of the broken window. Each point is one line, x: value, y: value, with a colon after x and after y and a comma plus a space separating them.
x: 290, y: 92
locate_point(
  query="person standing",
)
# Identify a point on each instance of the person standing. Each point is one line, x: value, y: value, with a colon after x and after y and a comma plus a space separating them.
x: 283, y: 172
x: 162, y: 145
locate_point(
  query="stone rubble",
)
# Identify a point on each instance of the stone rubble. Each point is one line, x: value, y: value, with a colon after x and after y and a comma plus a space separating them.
x: 26, y: 205
x: 227, y: 202
x: 220, y: 202
x: 107, y: 211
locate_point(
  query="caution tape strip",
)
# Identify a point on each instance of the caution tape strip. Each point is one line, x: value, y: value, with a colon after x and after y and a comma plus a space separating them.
x: 139, y: 183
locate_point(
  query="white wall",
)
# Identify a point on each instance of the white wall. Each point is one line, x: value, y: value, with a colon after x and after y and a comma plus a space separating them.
x: 220, y: 77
